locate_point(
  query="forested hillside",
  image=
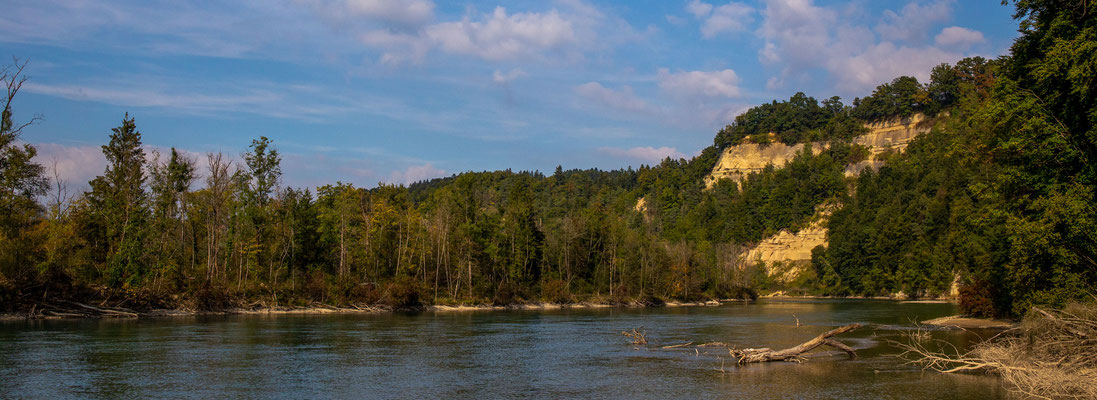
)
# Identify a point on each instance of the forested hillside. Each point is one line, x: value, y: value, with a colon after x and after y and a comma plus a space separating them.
x: 1001, y: 192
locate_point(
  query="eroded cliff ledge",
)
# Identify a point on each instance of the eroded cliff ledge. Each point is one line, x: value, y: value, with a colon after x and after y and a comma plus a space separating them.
x: 737, y: 162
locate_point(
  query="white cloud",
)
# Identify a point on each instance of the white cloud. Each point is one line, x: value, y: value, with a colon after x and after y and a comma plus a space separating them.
x: 723, y: 83
x: 76, y: 165
x: 698, y: 9
x: 886, y: 61
x: 403, y: 12
x: 802, y: 36
x: 623, y: 99
x: 416, y: 173
x: 958, y: 37
x: 646, y: 154
x: 912, y: 23
x: 796, y: 32
x: 496, y: 36
x: 501, y: 77
x: 730, y: 17
x: 501, y: 36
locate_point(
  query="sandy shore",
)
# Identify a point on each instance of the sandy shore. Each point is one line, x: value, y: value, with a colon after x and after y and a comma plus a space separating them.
x: 376, y: 309
x: 900, y: 299
x: 957, y: 321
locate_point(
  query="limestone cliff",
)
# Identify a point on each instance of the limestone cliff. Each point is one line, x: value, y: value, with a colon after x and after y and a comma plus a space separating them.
x: 737, y: 162
x: 787, y: 254
x: 885, y: 136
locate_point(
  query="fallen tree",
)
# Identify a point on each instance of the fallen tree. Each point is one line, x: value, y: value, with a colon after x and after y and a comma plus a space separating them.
x: 747, y: 356
x: 1053, y: 355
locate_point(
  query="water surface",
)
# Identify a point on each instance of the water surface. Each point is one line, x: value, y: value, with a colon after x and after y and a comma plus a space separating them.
x: 576, y: 353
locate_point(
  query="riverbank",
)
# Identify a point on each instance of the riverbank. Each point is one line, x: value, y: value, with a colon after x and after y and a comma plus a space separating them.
x: 962, y: 322
x: 104, y: 312
x: 895, y: 297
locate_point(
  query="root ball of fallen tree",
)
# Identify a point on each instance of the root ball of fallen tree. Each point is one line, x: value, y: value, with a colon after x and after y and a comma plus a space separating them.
x: 1052, y: 355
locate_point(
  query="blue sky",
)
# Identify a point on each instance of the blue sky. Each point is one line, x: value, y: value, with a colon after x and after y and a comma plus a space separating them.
x: 366, y: 91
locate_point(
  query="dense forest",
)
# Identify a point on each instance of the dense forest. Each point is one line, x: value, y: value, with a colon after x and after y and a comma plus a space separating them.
x: 1000, y: 193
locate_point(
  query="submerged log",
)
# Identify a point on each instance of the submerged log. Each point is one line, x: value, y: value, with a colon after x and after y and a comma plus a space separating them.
x: 747, y: 356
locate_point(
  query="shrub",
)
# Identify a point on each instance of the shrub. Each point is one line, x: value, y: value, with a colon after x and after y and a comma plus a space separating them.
x: 977, y: 300
x: 405, y: 292
x: 556, y: 291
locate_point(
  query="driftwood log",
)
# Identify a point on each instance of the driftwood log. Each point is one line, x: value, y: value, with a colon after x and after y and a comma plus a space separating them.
x: 747, y: 356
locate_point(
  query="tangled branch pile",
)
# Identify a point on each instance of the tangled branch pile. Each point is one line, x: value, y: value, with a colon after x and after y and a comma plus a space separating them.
x: 1053, y: 355
x: 637, y: 337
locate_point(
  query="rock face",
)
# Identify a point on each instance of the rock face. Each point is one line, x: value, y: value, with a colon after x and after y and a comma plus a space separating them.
x: 890, y: 135
x: 788, y: 254
x: 737, y: 162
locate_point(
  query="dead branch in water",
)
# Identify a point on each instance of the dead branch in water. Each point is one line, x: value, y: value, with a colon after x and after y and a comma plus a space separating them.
x: 72, y: 309
x: 747, y: 356
x: 675, y: 346
x: 637, y: 337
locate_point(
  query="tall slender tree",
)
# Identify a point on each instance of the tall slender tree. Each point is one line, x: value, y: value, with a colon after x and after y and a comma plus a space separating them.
x: 120, y: 205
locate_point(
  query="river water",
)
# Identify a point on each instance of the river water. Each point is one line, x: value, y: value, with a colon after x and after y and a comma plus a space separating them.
x: 578, y: 353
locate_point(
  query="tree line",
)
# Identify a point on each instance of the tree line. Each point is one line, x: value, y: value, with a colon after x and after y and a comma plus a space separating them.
x: 1000, y: 195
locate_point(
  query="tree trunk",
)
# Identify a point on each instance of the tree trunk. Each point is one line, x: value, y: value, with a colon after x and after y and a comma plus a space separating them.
x: 747, y: 356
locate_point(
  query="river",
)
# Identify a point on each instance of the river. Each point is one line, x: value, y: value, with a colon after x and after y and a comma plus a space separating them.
x: 576, y: 353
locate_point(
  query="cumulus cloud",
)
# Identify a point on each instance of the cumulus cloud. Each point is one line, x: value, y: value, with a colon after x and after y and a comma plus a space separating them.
x: 958, y: 37
x: 796, y: 31
x: 76, y: 165
x: 912, y: 22
x: 698, y: 8
x: 501, y: 36
x: 495, y: 36
x: 416, y: 173
x: 724, y: 83
x: 623, y: 99
x: 802, y: 36
x: 645, y: 154
x: 885, y: 61
x: 730, y: 17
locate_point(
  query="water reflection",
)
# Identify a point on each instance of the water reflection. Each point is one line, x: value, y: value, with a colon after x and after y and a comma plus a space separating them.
x: 520, y: 354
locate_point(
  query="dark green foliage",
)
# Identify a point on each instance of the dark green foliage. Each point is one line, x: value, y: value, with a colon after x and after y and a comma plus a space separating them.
x: 800, y: 119
x: 118, y: 206
x: 902, y: 97
x: 1002, y: 194
x: 21, y: 182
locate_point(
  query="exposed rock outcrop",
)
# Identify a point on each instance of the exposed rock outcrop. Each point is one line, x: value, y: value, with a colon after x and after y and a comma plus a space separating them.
x: 786, y: 255
x: 737, y: 162
x: 886, y: 136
